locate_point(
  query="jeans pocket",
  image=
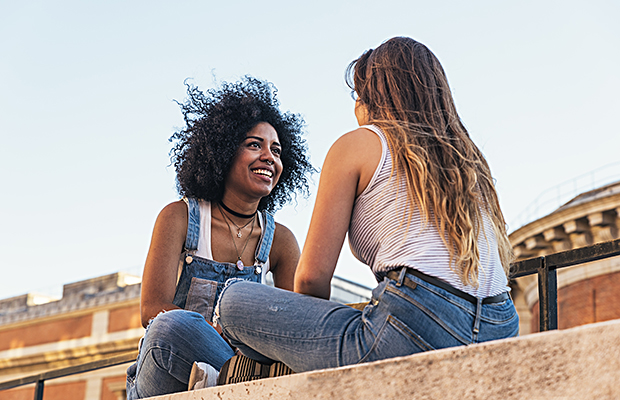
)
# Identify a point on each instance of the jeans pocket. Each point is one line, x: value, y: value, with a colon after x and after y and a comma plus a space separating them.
x: 201, y: 297
x: 499, y: 313
x: 395, y: 339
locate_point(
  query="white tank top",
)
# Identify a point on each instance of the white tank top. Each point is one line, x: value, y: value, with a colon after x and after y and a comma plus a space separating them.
x: 380, y: 237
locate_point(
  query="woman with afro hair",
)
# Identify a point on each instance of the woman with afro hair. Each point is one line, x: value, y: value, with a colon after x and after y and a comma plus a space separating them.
x: 238, y: 159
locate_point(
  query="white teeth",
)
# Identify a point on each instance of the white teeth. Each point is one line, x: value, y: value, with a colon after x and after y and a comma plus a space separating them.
x: 263, y: 172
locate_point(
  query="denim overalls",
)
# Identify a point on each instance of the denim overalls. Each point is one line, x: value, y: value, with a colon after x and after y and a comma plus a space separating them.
x: 202, y: 280
x: 175, y: 339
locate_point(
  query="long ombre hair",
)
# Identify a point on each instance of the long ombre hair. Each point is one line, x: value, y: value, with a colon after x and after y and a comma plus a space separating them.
x: 405, y: 92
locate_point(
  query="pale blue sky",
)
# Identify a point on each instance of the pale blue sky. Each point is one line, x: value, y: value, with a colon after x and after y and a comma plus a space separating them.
x: 87, y: 90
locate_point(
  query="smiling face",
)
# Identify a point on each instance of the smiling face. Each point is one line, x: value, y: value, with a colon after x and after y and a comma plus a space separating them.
x: 257, y: 165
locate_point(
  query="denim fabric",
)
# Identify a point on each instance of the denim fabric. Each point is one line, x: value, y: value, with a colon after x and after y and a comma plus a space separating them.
x: 177, y: 338
x: 202, y: 280
x: 173, y: 341
x: 307, y: 333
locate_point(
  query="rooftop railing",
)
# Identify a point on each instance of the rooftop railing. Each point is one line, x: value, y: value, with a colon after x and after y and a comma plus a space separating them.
x: 545, y: 267
x: 552, y: 198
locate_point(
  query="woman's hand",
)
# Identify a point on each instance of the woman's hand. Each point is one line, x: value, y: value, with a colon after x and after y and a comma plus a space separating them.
x: 160, y: 270
x: 348, y: 168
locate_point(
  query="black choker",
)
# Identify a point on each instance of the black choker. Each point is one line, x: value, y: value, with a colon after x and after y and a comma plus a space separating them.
x: 236, y: 214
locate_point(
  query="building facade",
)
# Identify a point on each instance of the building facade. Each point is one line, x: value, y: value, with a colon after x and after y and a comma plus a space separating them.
x: 95, y: 319
x: 589, y: 292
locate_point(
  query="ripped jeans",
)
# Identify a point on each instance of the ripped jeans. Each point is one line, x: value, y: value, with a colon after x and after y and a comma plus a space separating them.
x: 308, y: 333
x: 172, y: 342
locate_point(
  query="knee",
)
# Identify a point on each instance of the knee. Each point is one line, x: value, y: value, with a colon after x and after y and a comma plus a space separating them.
x: 236, y: 301
x: 174, y: 323
x: 230, y: 297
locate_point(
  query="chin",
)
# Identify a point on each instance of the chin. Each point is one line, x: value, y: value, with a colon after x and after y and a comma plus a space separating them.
x: 263, y: 193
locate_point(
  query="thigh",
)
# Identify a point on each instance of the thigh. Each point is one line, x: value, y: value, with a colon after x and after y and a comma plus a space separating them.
x: 302, y: 331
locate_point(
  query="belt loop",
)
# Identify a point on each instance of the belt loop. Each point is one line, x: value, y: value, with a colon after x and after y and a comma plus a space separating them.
x: 401, y: 276
x: 477, y: 319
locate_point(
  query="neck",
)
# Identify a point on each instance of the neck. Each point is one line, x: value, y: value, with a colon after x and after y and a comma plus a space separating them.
x: 236, y: 213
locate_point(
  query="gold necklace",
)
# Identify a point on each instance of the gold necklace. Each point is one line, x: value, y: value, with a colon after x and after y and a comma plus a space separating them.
x: 239, y: 234
x: 239, y: 262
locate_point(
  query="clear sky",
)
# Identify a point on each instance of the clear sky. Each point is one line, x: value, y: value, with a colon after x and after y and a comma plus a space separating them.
x: 87, y: 90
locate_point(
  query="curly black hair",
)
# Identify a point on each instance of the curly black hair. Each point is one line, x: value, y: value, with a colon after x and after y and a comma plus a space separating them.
x: 217, y: 121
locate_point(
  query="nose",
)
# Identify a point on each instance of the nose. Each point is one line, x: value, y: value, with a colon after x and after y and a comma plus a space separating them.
x: 267, y: 156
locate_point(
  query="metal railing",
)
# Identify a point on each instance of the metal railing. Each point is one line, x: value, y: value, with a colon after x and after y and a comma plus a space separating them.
x: 546, y: 267
x: 39, y: 379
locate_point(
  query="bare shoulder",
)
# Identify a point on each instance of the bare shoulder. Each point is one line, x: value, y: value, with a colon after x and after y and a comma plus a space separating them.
x: 175, y: 210
x: 285, y: 248
x: 356, y: 153
x: 284, y: 257
x: 172, y: 218
x: 359, y: 138
x: 283, y: 236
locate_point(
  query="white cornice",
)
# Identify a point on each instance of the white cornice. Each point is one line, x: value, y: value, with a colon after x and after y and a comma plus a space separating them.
x: 561, y: 216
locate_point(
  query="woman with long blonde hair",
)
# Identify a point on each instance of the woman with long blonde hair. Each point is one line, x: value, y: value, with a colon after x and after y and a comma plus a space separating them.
x: 417, y: 199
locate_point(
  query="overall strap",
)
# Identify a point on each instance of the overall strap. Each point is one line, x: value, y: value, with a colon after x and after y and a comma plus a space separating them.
x: 264, y: 247
x: 193, y: 224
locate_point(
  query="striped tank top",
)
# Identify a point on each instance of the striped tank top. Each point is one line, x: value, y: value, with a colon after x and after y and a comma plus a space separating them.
x: 380, y: 237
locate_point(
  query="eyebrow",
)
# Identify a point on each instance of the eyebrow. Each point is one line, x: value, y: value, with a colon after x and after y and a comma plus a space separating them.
x: 260, y: 139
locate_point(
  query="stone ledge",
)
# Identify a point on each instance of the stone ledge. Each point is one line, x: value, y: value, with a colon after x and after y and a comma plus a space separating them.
x: 577, y: 363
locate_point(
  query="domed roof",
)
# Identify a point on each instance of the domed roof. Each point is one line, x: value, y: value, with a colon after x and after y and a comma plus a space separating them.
x: 593, y: 216
x: 599, y: 193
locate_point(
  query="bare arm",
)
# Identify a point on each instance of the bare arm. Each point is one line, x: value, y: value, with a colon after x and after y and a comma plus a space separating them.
x: 284, y: 257
x: 160, y: 270
x: 347, y: 170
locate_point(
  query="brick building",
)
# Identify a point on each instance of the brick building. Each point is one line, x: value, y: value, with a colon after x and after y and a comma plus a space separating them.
x: 95, y: 319
x: 586, y: 293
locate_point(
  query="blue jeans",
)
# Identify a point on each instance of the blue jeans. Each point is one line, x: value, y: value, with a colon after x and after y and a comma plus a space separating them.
x: 307, y: 333
x: 175, y: 339
x: 172, y: 342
